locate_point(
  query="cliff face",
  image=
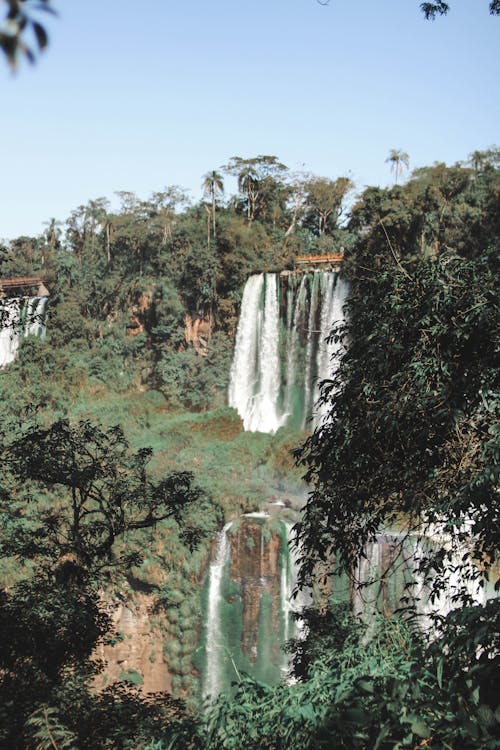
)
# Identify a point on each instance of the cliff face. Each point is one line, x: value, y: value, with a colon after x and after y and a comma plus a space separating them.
x: 138, y: 656
x: 255, y: 570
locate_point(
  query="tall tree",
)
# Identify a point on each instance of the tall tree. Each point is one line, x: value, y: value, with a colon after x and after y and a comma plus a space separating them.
x: 70, y: 494
x: 164, y: 204
x: 258, y: 180
x: 398, y: 159
x: 213, y: 185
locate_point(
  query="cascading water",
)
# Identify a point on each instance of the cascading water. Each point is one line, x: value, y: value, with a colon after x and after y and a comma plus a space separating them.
x: 249, y: 606
x: 254, y: 379
x: 215, y: 644
x: 281, y: 354
x: 9, y: 327
x: 18, y: 318
x: 293, y: 601
x: 388, y: 577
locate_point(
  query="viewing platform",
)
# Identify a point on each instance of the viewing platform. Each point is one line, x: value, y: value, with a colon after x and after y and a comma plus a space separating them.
x: 24, y: 283
x: 315, y: 260
x: 327, y: 262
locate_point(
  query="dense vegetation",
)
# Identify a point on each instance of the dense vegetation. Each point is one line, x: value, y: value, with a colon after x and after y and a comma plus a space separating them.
x: 144, y: 304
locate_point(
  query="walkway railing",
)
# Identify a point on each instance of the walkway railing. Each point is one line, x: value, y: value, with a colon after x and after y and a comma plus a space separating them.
x: 312, y: 260
x: 22, y: 282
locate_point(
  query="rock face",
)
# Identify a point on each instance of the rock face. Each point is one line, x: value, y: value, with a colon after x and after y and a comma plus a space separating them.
x: 197, y: 332
x: 138, y: 315
x: 255, y: 569
x: 138, y: 657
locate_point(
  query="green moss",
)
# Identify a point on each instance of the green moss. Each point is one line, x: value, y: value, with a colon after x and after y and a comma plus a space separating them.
x: 131, y: 676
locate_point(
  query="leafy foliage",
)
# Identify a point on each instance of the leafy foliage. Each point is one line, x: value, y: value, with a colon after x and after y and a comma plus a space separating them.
x: 364, y: 693
x: 19, y: 20
x: 413, y: 416
x: 100, y: 492
x: 71, y: 494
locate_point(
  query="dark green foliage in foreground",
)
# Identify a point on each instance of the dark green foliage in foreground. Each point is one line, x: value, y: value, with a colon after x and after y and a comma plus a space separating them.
x: 386, y: 691
x: 415, y: 414
x: 71, y: 496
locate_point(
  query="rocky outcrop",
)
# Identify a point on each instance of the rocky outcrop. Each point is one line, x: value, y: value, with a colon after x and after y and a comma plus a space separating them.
x: 248, y: 610
x: 197, y: 333
x: 137, y: 656
x: 138, y: 314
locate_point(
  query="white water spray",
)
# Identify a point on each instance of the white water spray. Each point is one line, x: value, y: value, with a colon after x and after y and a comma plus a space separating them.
x: 215, y: 644
x: 18, y: 318
x: 279, y: 358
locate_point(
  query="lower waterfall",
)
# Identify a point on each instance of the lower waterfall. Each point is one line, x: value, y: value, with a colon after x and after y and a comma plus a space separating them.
x: 388, y: 578
x: 249, y: 606
x: 19, y: 317
x: 281, y: 353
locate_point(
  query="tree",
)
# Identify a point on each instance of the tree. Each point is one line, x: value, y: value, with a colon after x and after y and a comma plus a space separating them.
x: 53, y: 232
x: 259, y: 180
x: 103, y: 492
x: 164, y: 204
x: 70, y: 495
x: 324, y: 199
x: 213, y: 185
x: 417, y: 378
x: 485, y: 159
x: 297, y: 198
x: 398, y: 159
x: 441, y: 8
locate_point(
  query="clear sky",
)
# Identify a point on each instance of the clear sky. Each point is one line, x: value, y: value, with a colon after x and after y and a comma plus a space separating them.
x: 139, y: 94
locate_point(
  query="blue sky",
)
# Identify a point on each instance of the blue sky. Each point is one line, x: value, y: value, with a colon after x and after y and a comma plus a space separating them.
x: 138, y: 95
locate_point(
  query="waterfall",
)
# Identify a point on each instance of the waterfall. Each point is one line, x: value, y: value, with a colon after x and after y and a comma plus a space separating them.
x: 388, y: 577
x: 254, y: 379
x: 329, y: 351
x: 249, y: 606
x: 293, y: 601
x: 463, y: 579
x: 18, y: 318
x: 9, y: 330
x: 312, y: 337
x: 215, y: 644
x: 280, y: 352
x: 294, y: 396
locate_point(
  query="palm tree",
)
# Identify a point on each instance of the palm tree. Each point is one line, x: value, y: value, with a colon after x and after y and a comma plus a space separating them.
x: 213, y: 185
x: 53, y: 232
x: 248, y: 182
x: 397, y: 160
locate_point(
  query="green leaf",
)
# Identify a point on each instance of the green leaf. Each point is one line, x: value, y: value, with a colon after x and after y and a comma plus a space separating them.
x: 440, y: 673
x: 420, y: 728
